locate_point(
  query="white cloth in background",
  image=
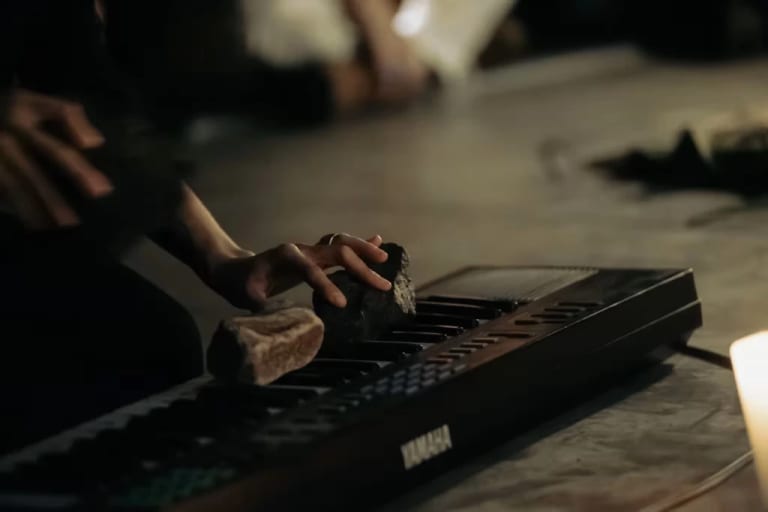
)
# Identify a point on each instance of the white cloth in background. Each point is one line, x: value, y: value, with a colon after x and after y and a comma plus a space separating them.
x: 291, y: 32
x: 448, y: 35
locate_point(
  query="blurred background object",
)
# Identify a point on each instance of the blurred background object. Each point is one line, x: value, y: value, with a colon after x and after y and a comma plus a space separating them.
x: 448, y: 35
x: 302, y: 62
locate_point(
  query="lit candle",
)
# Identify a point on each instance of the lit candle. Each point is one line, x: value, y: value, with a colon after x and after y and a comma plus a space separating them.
x: 749, y: 357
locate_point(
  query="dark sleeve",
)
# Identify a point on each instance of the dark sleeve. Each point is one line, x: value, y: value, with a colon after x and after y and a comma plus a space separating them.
x: 58, y: 45
x: 10, y: 35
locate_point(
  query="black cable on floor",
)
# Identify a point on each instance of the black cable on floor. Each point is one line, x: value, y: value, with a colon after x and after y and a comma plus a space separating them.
x: 707, y: 356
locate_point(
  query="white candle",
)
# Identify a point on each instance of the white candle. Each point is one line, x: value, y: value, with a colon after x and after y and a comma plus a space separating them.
x: 749, y: 357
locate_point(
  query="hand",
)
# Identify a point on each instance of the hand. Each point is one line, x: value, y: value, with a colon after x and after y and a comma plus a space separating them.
x: 248, y: 280
x: 24, y: 143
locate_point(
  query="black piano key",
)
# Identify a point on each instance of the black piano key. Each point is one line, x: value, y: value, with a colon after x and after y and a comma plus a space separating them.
x: 569, y: 310
x: 448, y: 330
x: 551, y: 316
x: 414, y: 336
x: 443, y: 319
x: 506, y: 306
x: 361, y: 365
x: 473, y: 344
x: 385, y: 350
x: 460, y: 350
x: 466, y: 310
x: 581, y: 304
x: 327, y: 378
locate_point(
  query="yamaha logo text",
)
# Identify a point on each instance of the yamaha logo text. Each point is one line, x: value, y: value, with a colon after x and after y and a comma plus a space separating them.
x: 426, y: 447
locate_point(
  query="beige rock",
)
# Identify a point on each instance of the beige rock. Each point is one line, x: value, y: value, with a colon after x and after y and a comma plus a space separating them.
x: 261, y: 348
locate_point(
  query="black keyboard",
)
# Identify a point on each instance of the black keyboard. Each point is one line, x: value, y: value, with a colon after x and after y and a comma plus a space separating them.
x: 491, y: 352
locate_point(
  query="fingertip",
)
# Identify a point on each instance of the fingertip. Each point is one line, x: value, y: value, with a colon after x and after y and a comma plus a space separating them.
x: 339, y: 300
x: 69, y: 219
x: 101, y: 186
x: 84, y: 134
x: 92, y: 140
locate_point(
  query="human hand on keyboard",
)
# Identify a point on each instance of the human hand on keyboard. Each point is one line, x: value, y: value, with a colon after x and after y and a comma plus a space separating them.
x: 248, y: 282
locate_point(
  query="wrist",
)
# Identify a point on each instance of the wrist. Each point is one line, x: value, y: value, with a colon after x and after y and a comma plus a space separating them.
x: 221, y: 254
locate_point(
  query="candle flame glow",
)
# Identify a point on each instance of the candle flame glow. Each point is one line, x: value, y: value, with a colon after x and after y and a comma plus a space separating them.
x: 749, y: 357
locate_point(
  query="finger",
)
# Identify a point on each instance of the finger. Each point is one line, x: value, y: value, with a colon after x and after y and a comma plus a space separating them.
x: 23, y: 202
x: 348, y: 259
x: 91, y: 181
x: 328, y: 239
x: 314, y: 276
x: 365, y: 249
x: 29, y: 173
x: 80, y: 129
x: 73, y: 118
x: 376, y: 240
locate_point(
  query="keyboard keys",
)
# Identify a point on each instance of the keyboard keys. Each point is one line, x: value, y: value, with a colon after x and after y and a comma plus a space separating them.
x: 506, y: 306
x: 448, y: 330
x: 474, y: 344
x: 362, y: 365
x: 581, y: 304
x: 327, y: 378
x: 464, y: 310
x: 415, y: 336
x: 571, y: 310
x: 385, y: 350
x: 443, y: 319
x: 461, y: 351
x: 551, y: 316
x: 226, y: 423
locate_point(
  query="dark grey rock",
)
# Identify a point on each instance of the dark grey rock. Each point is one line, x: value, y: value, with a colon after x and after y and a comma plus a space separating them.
x: 369, y: 312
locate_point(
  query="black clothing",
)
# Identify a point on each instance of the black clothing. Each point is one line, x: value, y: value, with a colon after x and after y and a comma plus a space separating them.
x: 80, y: 335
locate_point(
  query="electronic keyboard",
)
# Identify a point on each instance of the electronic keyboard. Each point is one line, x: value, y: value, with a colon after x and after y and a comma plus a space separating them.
x: 491, y: 352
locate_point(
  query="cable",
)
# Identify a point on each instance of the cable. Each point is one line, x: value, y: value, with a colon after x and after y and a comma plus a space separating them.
x: 716, y: 479
x: 707, y: 356
x: 703, y: 487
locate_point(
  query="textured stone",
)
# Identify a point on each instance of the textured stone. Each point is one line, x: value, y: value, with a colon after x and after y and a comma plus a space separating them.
x: 369, y: 312
x: 261, y: 348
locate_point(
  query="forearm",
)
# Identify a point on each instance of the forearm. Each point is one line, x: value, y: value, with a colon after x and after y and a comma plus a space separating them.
x: 197, y: 239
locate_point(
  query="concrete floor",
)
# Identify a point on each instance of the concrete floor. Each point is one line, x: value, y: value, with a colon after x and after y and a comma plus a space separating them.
x: 496, y: 172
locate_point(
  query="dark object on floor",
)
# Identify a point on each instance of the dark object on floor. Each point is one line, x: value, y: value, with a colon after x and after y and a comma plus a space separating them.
x: 375, y: 428
x: 737, y: 162
x: 258, y: 349
x: 369, y: 312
